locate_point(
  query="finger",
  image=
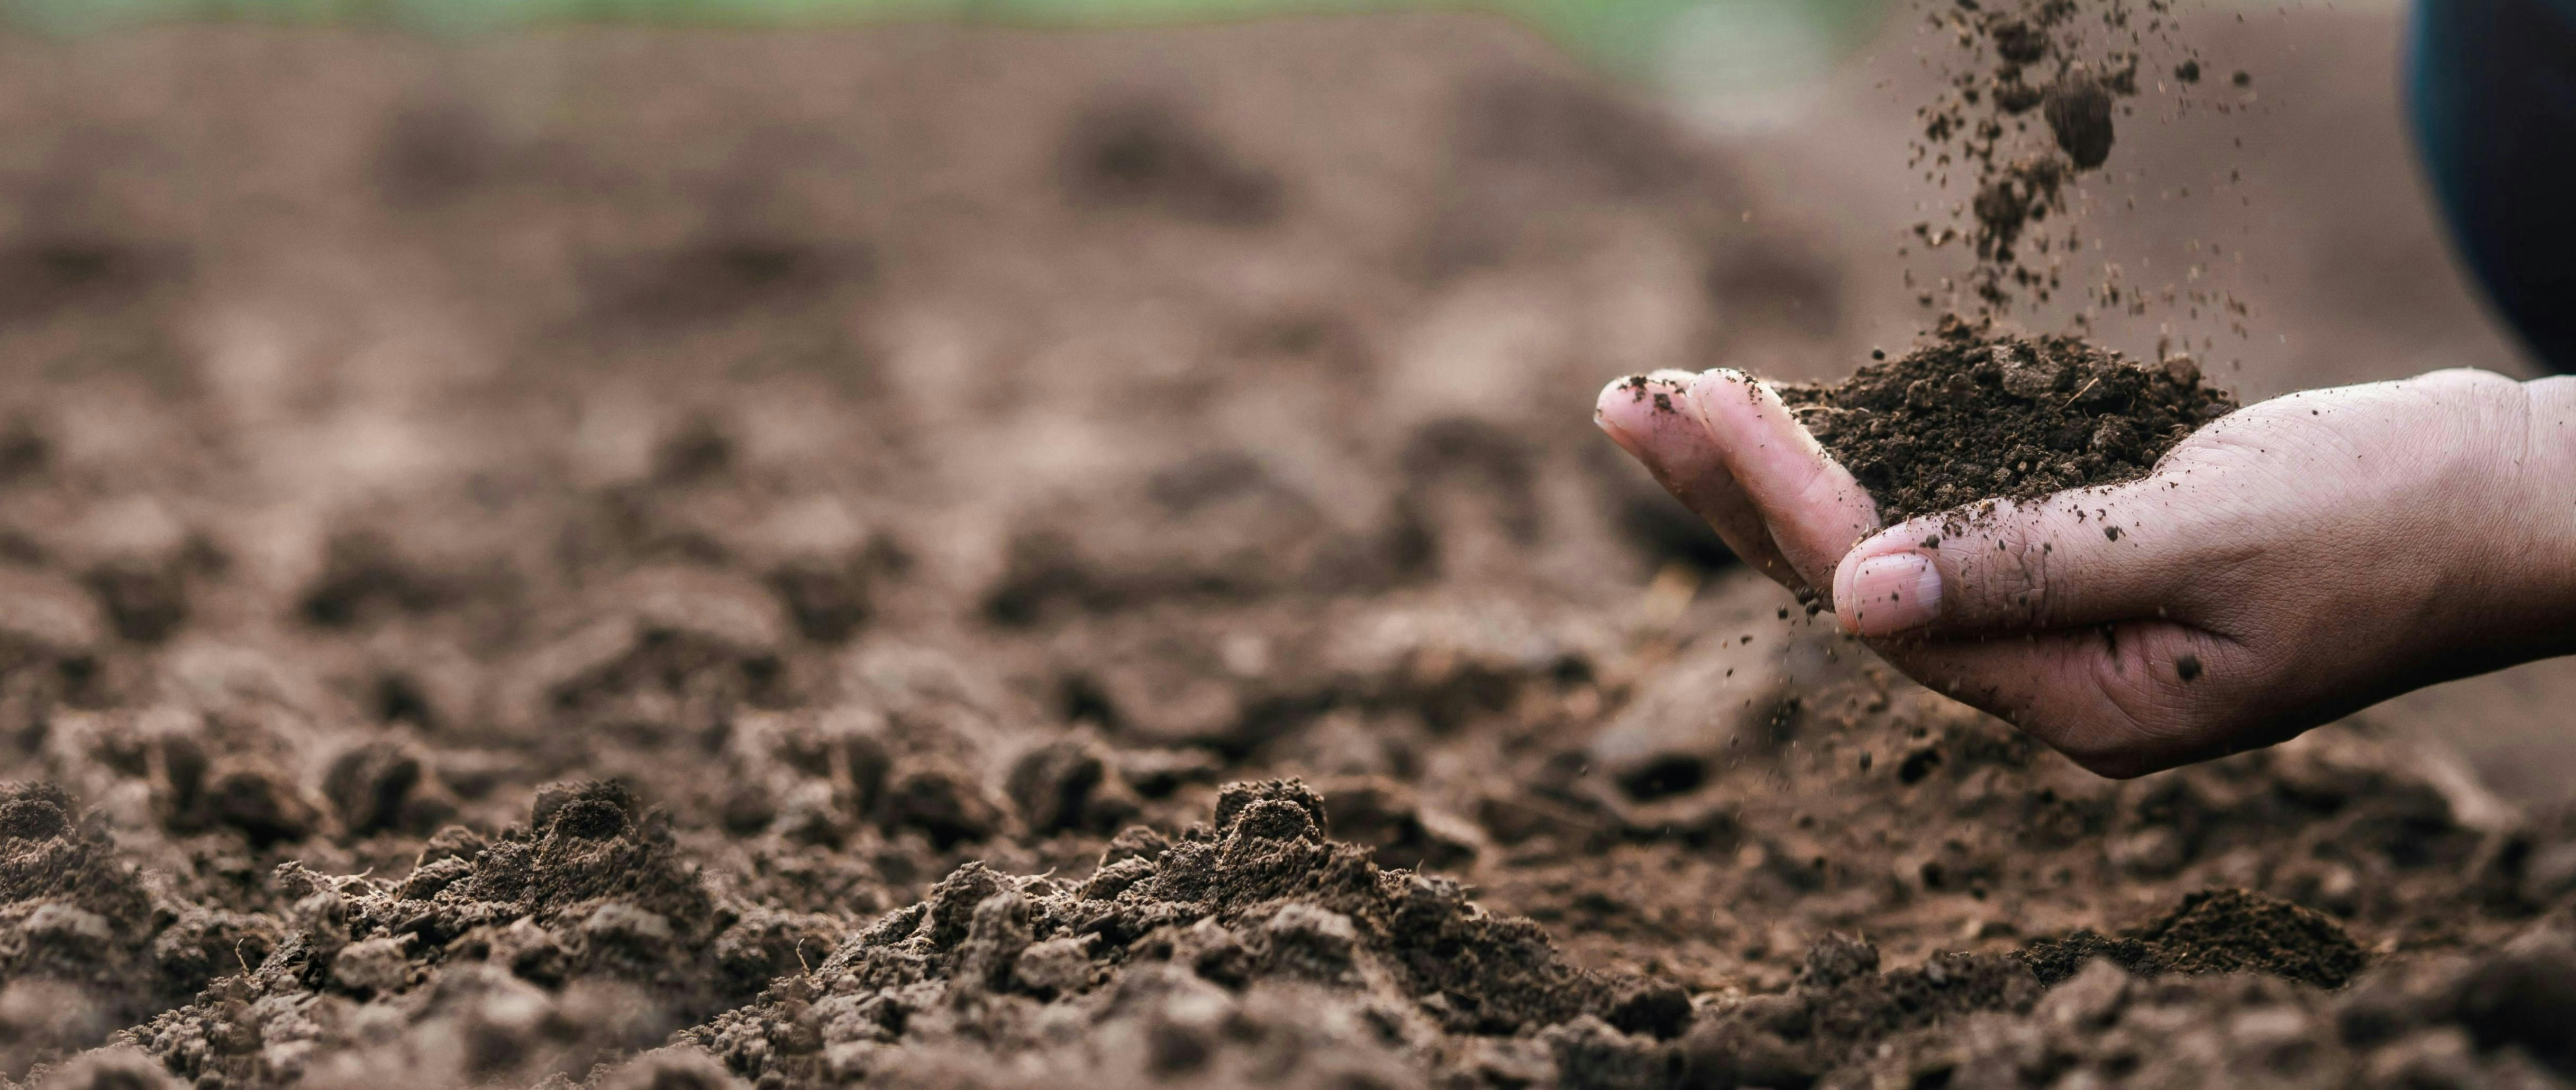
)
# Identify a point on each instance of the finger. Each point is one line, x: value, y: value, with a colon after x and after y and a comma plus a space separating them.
x: 2075, y: 558
x: 1642, y: 415
x: 1810, y: 503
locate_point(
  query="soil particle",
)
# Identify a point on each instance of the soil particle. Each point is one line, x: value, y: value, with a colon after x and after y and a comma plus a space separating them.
x: 2522, y: 995
x: 1066, y: 785
x: 2019, y: 40
x: 2079, y: 115
x: 2015, y: 197
x: 1716, y: 702
x: 381, y: 786
x: 1976, y: 412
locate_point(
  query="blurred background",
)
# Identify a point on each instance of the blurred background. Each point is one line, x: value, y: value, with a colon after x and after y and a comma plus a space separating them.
x: 1115, y: 340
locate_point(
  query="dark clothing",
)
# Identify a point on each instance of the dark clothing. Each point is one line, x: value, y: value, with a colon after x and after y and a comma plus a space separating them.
x: 2492, y: 85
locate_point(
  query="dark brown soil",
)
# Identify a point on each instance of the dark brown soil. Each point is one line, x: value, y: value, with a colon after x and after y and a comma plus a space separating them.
x: 1977, y: 412
x: 2219, y: 931
x: 2433, y: 1023
x: 2078, y: 109
x: 934, y: 558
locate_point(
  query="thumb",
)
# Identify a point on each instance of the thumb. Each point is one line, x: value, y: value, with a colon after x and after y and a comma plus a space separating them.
x: 2075, y: 558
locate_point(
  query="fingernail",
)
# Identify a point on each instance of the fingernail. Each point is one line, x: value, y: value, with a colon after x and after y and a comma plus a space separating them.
x: 1891, y: 594
x: 1637, y: 412
x: 1620, y: 390
x: 1696, y: 386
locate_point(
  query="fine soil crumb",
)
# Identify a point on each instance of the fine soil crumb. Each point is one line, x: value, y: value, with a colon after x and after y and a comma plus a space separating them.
x: 2014, y: 198
x: 1979, y: 413
x: 2214, y: 931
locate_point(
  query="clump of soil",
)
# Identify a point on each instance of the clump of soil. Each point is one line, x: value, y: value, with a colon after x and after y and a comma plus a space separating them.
x: 1978, y: 413
x: 2215, y: 931
x: 2078, y: 109
x: 2013, y: 197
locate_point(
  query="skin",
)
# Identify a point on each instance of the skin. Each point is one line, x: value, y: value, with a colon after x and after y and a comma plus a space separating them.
x: 2290, y: 563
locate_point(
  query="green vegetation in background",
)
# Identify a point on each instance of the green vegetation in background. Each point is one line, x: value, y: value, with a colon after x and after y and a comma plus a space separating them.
x: 1626, y: 34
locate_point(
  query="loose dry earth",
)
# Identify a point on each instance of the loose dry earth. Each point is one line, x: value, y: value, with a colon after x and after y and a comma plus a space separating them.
x: 985, y: 559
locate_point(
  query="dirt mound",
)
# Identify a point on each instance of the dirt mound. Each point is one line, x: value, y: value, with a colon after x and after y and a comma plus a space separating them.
x: 84, y: 942
x: 2217, y: 931
x: 2457, y: 1021
x: 1977, y: 412
x: 1191, y: 945
x: 590, y: 899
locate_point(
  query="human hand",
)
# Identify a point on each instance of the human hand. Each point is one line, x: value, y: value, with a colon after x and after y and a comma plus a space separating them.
x: 2292, y: 562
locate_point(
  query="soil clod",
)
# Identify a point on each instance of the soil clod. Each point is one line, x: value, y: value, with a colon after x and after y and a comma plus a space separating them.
x: 2215, y: 931
x: 1977, y: 412
x: 2079, y: 115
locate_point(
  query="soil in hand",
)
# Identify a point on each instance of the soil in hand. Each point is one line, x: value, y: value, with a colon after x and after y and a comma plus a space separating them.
x: 1978, y: 412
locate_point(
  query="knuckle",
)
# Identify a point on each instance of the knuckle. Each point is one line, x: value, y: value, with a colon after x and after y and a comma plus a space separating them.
x: 2468, y: 377
x: 2008, y: 575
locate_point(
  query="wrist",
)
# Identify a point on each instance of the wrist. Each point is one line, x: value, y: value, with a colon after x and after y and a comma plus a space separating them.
x: 2534, y: 614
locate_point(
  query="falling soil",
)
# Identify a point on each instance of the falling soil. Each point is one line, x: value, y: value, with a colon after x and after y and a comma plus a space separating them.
x: 568, y: 614
x: 2078, y: 109
x: 2057, y: 69
x: 1977, y: 412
